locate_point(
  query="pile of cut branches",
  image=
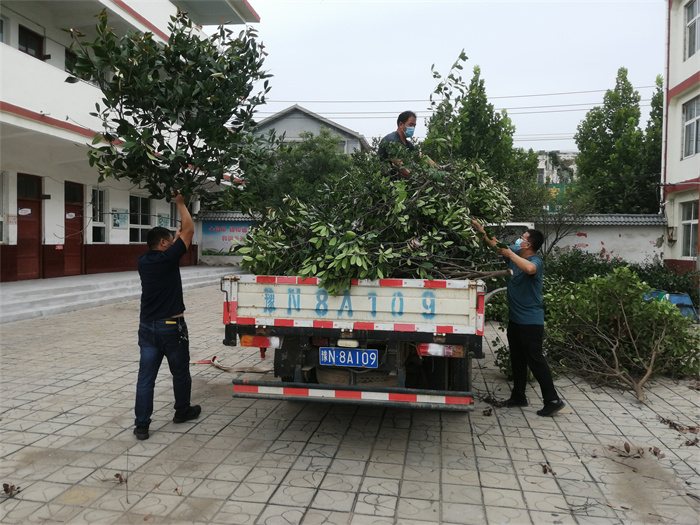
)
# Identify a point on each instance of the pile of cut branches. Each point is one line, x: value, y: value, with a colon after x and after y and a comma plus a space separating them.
x: 376, y: 224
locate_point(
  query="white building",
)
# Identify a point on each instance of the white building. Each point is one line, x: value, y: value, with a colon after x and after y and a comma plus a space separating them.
x: 681, y: 147
x: 55, y: 219
x: 296, y: 120
x: 556, y: 167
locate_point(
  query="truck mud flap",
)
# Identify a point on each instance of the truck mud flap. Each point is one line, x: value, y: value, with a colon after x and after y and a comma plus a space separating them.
x: 383, y: 396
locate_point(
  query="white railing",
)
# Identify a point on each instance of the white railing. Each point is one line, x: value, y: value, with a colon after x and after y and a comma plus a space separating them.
x: 39, y: 88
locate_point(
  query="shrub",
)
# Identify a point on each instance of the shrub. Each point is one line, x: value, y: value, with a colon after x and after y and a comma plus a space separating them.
x: 576, y: 266
x: 661, y: 277
x: 605, y: 331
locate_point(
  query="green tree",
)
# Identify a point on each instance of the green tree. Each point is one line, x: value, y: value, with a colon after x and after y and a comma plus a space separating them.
x: 653, y: 137
x: 613, y: 164
x: 466, y: 126
x: 300, y: 169
x: 165, y: 105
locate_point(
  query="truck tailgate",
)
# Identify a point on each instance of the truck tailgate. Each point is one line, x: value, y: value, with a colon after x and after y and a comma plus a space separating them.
x: 402, y: 305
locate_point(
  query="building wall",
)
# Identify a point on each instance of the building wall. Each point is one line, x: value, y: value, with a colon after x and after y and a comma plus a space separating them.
x: 637, y: 244
x: 548, y: 173
x: 295, y: 123
x: 45, y: 129
x: 681, y: 174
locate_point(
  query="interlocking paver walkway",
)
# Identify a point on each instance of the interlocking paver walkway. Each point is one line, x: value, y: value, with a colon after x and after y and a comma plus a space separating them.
x: 66, y: 409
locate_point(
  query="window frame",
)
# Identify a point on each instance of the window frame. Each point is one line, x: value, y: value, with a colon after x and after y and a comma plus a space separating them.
x: 25, y: 32
x: 99, y: 210
x: 174, y: 216
x: 139, y: 225
x: 691, y: 128
x: 692, y: 28
x: 689, y: 229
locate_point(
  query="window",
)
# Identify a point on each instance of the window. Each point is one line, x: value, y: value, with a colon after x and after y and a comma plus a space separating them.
x: 31, y: 43
x: 28, y: 187
x: 691, y: 117
x: 540, y: 175
x: 689, y: 225
x: 692, y: 31
x: 98, y: 216
x: 2, y: 30
x: 174, y: 216
x: 70, y: 59
x: 73, y: 193
x: 139, y: 218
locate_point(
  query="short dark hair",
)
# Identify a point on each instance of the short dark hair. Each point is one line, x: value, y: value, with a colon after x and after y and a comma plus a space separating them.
x: 156, y: 234
x: 404, y: 116
x: 536, y: 239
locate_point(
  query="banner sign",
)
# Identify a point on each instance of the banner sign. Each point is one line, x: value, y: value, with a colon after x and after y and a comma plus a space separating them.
x: 221, y: 237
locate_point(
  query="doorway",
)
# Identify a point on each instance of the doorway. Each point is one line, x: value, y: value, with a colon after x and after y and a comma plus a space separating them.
x: 29, y: 224
x: 74, y: 227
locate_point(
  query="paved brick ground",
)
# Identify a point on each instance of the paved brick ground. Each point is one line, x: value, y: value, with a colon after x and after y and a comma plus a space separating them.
x: 66, y: 434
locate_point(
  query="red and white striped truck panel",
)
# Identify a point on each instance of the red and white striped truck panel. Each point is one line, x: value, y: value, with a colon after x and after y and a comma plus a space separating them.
x: 398, y: 305
x: 384, y: 397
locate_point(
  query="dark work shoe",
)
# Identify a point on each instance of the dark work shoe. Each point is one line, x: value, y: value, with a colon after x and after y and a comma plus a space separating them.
x: 141, y: 433
x: 551, y: 408
x: 511, y: 403
x: 192, y: 412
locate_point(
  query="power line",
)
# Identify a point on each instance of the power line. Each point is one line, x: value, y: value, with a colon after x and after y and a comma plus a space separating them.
x: 405, y: 101
x: 384, y: 115
x: 425, y: 113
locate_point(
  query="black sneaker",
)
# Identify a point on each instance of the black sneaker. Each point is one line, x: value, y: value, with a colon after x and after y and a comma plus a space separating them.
x: 551, y: 408
x: 192, y: 412
x: 511, y: 403
x: 141, y: 433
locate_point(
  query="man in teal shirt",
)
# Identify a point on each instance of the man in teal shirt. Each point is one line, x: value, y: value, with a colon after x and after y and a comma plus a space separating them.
x: 526, y: 320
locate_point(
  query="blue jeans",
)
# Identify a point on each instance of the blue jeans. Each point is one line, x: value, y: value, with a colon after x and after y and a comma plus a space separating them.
x: 158, y: 339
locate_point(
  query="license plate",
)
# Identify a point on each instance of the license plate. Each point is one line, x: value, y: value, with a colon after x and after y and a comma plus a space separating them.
x: 358, y: 357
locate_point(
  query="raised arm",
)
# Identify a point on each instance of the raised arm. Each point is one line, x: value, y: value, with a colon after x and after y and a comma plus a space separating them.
x: 186, y: 230
x: 492, y: 241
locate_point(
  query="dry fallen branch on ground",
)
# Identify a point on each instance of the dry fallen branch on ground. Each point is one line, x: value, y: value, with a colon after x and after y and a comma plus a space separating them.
x: 118, y: 477
x: 546, y: 469
x: 10, y: 490
x: 489, y: 399
x: 680, y: 428
x: 628, y: 452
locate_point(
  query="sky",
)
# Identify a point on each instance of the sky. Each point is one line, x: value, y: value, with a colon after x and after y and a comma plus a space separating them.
x: 360, y: 63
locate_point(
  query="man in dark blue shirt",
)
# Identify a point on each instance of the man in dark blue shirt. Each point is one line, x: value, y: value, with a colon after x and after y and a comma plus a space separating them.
x: 526, y: 320
x: 162, y: 327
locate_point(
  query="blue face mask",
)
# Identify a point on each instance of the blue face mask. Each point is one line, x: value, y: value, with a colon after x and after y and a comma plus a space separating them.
x: 518, y: 244
x: 409, y: 131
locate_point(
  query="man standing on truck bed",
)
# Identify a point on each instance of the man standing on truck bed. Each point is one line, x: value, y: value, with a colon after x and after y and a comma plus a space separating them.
x: 526, y: 320
x: 406, y: 123
x: 162, y: 327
